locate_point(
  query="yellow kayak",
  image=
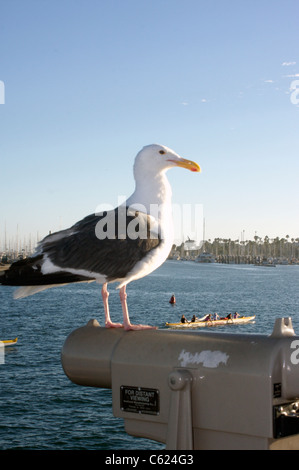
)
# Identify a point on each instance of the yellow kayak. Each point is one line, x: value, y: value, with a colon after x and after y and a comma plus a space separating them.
x: 224, y: 321
x: 9, y: 342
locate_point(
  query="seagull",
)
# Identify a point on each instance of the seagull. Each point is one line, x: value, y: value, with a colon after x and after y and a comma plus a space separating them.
x: 119, y: 245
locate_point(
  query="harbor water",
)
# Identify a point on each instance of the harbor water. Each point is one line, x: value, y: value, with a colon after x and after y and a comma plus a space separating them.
x: 40, y: 409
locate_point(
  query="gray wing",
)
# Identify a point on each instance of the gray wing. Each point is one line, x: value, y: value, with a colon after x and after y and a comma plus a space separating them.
x: 109, y: 244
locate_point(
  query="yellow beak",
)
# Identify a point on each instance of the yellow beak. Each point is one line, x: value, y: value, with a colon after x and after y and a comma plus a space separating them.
x: 188, y: 164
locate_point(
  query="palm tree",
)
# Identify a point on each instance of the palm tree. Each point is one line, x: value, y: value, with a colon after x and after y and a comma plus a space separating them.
x: 287, y: 251
x: 266, y: 245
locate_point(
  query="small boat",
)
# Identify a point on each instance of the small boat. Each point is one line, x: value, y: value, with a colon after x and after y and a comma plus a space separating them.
x: 267, y: 265
x: 205, y: 258
x: 9, y: 342
x: 206, y: 323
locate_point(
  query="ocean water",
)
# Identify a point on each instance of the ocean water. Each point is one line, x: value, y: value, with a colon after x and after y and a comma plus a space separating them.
x: 40, y: 409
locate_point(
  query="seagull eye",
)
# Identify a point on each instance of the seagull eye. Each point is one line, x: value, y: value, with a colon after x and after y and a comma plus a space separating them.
x: 162, y: 152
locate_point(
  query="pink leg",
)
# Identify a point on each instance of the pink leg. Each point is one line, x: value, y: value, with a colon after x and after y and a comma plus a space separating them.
x: 108, y: 322
x: 127, y: 324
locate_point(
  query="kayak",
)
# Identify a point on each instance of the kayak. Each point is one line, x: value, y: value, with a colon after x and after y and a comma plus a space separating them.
x: 224, y: 321
x: 9, y: 342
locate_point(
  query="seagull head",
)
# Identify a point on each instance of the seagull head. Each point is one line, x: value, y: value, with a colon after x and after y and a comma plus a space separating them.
x: 157, y: 158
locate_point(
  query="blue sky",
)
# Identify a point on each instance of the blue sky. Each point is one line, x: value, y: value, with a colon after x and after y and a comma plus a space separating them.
x: 88, y: 83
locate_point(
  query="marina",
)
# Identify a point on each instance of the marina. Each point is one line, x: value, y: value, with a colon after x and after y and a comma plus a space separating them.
x: 258, y: 251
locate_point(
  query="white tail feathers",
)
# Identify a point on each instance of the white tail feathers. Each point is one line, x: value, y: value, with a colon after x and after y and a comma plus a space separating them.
x: 25, y: 291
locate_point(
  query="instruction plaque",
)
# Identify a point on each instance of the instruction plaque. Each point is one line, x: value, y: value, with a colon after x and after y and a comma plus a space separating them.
x: 139, y: 400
